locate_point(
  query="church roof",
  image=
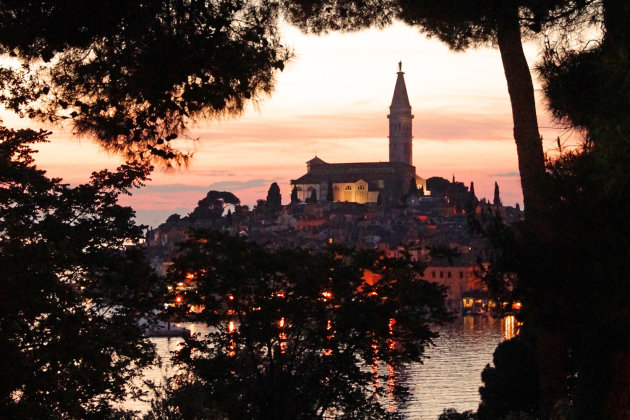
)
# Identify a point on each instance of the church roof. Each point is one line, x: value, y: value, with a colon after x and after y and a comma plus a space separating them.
x: 316, y: 161
x: 308, y: 179
x: 368, y: 165
x: 400, y: 98
x: 352, y: 172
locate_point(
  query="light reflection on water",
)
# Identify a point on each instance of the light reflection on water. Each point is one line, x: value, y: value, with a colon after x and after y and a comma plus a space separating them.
x: 449, y: 378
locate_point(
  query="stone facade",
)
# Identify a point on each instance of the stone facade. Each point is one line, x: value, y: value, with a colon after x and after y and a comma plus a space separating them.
x: 368, y: 182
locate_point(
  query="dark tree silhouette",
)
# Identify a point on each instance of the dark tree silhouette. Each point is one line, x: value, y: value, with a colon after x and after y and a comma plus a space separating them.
x: 295, y: 335
x: 313, y: 197
x: 173, y: 218
x: 438, y: 186
x: 452, y: 414
x: 274, y: 198
x: 213, y: 205
x: 413, y: 187
x: 294, y: 195
x: 497, y: 197
x: 470, y: 203
x: 589, y: 185
x: 572, y: 278
x: 330, y: 194
x: 71, y: 288
x: 463, y: 24
x: 135, y: 74
x: 511, y: 385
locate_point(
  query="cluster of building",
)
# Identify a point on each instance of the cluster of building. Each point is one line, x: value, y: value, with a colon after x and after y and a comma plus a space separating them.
x: 420, y: 227
x: 377, y: 205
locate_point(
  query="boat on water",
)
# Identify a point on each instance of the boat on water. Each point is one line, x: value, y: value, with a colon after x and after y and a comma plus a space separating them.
x: 165, y: 329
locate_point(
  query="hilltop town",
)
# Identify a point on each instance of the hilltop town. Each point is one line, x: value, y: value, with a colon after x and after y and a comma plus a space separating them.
x: 426, y: 226
x: 378, y: 205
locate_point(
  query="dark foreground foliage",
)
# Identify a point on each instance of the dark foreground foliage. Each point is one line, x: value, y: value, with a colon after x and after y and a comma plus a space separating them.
x: 71, y: 290
x: 296, y: 335
x: 452, y: 414
x: 135, y: 74
x: 568, y: 265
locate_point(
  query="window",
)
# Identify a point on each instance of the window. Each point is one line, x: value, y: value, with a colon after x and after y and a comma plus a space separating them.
x: 360, y: 188
x: 448, y: 274
x: 298, y: 189
x: 461, y: 274
x: 349, y: 188
x: 433, y: 273
x: 336, y: 188
x: 441, y: 274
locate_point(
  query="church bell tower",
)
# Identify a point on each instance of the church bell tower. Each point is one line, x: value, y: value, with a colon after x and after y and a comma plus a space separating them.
x: 400, y: 122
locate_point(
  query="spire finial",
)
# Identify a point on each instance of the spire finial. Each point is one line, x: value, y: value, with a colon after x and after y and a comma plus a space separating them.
x: 400, y: 65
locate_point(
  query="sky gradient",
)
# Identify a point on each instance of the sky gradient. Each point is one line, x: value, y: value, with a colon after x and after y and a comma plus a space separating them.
x: 332, y: 101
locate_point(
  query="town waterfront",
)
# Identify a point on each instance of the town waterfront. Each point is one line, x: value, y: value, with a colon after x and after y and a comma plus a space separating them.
x: 449, y: 378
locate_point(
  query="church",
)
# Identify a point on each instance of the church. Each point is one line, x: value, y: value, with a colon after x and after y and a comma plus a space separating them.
x: 368, y: 182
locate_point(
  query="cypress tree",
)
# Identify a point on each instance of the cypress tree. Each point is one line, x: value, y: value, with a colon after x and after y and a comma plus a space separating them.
x: 294, y: 196
x: 274, y: 198
x: 497, y: 198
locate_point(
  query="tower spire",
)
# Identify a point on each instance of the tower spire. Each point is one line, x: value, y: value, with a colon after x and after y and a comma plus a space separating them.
x: 400, y: 122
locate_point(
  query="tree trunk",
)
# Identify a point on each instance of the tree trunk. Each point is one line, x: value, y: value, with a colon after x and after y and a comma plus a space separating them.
x: 531, y: 162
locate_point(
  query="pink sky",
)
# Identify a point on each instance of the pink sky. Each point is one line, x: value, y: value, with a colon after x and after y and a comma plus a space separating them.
x: 332, y: 100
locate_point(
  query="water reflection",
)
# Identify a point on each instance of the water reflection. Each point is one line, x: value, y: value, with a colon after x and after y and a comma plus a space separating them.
x: 449, y: 378
x: 508, y: 327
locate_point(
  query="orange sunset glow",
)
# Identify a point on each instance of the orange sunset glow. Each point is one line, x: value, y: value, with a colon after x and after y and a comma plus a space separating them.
x: 332, y: 101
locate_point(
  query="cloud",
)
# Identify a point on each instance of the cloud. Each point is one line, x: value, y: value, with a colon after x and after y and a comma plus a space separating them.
x: 504, y: 175
x: 239, y: 185
x: 173, y: 188
x: 438, y: 123
x: 214, y: 172
x: 166, y: 189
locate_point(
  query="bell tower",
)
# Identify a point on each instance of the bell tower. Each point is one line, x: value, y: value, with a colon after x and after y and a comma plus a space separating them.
x: 400, y: 122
